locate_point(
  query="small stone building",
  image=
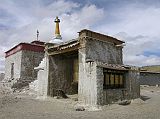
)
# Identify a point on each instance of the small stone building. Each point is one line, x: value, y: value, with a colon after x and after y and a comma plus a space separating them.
x: 21, y: 60
x: 92, y: 67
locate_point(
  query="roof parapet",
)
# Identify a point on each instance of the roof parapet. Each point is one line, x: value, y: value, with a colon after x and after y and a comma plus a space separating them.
x: 99, y: 36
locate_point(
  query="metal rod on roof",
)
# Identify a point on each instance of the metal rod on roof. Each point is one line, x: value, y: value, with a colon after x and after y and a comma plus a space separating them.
x: 37, y: 35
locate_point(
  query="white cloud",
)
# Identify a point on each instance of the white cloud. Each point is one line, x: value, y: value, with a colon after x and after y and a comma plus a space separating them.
x: 27, y: 18
x: 84, y: 18
x: 139, y: 28
x: 136, y: 46
x: 141, y: 60
x: 134, y: 21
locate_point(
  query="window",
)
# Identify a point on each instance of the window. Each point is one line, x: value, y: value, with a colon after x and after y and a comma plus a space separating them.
x: 12, y: 70
x: 113, y: 79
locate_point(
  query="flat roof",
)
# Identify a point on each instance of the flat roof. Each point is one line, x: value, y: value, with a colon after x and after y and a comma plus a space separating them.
x: 63, y: 47
x: 99, y: 36
x: 25, y: 46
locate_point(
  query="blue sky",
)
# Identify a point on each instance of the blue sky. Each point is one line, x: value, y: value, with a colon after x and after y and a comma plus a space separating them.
x: 136, y: 22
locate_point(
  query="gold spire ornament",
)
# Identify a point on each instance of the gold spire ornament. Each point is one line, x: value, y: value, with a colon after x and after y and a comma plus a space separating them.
x: 57, y: 30
x: 57, y: 36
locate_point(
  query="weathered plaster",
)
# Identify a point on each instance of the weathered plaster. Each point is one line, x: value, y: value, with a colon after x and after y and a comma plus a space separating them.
x: 16, y: 59
x: 91, y: 52
x: 103, y: 51
x: 24, y: 63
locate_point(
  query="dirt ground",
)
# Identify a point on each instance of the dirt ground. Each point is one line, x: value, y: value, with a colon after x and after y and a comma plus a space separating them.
x: 27, y: 106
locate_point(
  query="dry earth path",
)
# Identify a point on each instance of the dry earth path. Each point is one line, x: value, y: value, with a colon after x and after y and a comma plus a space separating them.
x: 21, y: 106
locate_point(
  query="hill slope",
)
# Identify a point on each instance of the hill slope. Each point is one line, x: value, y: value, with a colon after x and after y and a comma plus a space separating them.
x: 154, y: 68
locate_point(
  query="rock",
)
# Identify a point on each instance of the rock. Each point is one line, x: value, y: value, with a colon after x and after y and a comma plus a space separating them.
x: 139, y: 100
x: 124, y: 102
x: 80, y: 108
x: 60, y: 94
x: 75, y: 99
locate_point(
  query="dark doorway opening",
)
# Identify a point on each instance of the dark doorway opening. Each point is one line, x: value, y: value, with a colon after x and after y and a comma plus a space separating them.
x: 72, y: 70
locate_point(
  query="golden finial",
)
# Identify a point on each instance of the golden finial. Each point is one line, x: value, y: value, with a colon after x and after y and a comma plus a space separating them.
x: 57, y: 30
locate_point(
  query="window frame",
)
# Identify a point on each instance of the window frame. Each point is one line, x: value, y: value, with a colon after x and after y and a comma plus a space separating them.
x: 12, y: 70
x: 115, y: 73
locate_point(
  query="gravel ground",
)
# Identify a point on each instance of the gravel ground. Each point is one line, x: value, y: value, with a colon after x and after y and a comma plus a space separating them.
x: 24, y: 106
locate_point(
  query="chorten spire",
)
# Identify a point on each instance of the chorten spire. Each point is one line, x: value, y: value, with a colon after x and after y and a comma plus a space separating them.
x: 57, y: 36
x: 57, y: 30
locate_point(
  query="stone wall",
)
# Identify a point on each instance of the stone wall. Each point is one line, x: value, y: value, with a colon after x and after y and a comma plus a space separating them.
x: 133, y: 77
x: 90, y: 84
x: 102, y: 51
x: 91, y: 78
x: 24, y: 63
x: 90, y: 88
x: 149, y: 78
x: 29, y: 60
x: 130, y: 91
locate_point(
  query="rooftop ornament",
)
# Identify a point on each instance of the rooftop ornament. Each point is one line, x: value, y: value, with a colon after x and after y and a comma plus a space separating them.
x: 57, y: 37
x: 37, y: 35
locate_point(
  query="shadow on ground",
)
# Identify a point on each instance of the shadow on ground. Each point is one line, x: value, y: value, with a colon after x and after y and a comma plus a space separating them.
x: 144, y: 98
